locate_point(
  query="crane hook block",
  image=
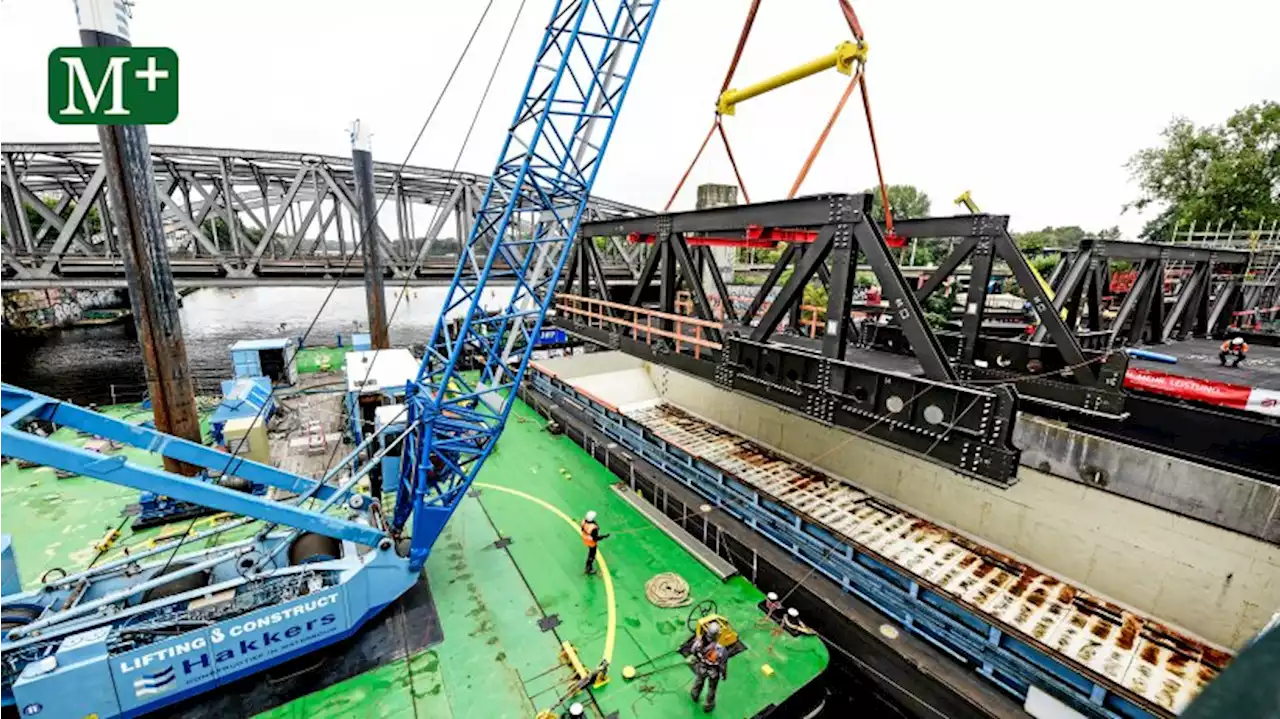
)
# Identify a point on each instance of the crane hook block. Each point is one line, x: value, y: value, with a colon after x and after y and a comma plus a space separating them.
x: 842, y: 59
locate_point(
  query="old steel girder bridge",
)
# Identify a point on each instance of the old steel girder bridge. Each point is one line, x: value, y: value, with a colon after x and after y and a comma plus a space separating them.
x: 242, y: 217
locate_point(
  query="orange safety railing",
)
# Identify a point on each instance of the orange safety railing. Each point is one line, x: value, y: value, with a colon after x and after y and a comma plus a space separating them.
x: 811, y: 316
x: 639, y: 322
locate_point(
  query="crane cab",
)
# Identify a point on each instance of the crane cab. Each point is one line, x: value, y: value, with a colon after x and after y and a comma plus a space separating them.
x: 390, y: 421
x: 375, y: 378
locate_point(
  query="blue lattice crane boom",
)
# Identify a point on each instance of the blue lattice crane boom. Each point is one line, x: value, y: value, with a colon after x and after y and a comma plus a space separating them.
x: 521, y: 235
x: 137, y: 633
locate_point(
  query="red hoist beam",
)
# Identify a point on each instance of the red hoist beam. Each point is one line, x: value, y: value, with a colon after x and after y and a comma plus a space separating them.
x: 755, y: 237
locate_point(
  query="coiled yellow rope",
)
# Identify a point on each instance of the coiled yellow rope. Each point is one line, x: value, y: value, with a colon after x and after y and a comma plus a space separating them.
x: 667, y: 590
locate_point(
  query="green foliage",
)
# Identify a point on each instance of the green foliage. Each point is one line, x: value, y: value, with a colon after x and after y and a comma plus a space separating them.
x: 215, y: 228
x: 1065, y: 238
x: 815, y: 295
x: 35, y: 220
x: 1044, y: 264
x: 926, y: 253
x: 937, y: 307
x: 906, y: 201
x: 748, y: 254
x: 1214, y: 174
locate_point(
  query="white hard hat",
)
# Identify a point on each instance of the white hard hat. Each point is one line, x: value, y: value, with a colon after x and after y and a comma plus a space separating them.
x: 576, y: 710
x: 1238, y: 341
x: 713, y: 628
x: 591, y: 516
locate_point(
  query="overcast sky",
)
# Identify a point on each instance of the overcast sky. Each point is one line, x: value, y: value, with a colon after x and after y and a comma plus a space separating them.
x: 1033, y: 106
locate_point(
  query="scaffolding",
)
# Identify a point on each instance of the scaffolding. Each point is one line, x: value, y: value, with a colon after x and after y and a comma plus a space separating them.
x: 1259, y: 308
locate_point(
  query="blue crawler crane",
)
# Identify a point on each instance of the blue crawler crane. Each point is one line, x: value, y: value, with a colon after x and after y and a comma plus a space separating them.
x: 135, y: 634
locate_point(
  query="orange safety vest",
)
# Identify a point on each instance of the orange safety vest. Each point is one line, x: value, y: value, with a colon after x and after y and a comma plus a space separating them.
x: 587, y: 529
x: 1227, y: 346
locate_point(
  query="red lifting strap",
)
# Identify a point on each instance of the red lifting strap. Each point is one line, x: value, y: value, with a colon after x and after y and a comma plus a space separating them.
x: 755, y: 236
x: 891, y: 238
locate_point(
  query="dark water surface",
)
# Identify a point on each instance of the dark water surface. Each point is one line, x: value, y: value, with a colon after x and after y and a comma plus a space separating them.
x: 83, y: 363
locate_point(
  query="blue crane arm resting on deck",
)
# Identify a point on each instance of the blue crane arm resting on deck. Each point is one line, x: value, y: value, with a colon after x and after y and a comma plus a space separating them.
x: 20, y: 404
x: 528, y: 219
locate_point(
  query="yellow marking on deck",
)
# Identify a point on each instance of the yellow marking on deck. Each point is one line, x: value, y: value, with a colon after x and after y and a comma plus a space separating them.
x: 611, y: 633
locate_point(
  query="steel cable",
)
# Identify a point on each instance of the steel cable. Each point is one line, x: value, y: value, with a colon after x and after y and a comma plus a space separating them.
x: 367, y: 232
x: 404, y: 288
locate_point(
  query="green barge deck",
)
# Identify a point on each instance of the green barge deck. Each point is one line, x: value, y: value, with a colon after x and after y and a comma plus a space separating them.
x: 499, y: 656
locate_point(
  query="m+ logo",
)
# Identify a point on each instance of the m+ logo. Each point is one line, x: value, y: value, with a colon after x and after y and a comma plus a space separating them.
x: 113, y: 85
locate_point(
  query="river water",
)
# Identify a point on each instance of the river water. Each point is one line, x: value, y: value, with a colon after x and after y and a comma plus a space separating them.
x: 84, y: 363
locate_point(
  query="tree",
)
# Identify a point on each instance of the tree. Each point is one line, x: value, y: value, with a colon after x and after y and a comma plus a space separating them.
x: 35, y: 220
x: 906, y: 201
x: 1064, y: 238
x: 1214, y: 174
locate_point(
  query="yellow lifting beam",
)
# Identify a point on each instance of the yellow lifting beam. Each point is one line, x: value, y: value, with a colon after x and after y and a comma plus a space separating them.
x: 842, y: 59
x: 966, y: 199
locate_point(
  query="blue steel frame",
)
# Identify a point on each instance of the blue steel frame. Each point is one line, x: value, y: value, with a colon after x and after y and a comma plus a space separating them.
x: 1009, y: 662
x: 20, y: 404
x: 528, y: 219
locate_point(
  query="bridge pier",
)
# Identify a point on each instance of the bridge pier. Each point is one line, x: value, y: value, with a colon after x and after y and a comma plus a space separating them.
x: 130, y: 182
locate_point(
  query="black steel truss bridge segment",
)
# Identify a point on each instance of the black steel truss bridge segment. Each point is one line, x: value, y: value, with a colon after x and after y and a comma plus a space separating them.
x: 1212, y: 288
x: 1060, y: 371
x: 968, y: 428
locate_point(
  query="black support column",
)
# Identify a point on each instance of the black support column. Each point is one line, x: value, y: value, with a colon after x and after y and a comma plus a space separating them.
x: 135, y: 210
x: 375, y: 296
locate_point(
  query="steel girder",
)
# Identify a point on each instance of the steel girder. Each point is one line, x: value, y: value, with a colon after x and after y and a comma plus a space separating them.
x: 1059, y: 371
x: 1209, y: 285
x: 964, y: 427
x: 237, y: 217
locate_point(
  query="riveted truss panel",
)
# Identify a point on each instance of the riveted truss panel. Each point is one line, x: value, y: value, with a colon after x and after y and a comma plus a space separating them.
x: 240, y: 217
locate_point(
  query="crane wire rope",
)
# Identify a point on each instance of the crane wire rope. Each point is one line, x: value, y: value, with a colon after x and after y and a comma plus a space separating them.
x: 368, y: 230
x: 404, y: 288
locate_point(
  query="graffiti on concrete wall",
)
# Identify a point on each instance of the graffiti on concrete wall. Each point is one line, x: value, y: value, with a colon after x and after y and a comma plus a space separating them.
x: 56, y: 307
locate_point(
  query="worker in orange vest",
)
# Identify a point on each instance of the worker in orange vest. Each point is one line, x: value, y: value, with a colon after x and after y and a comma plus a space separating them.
x: 1235, y: 347
x: 591, y: 536
x: 710, y: 664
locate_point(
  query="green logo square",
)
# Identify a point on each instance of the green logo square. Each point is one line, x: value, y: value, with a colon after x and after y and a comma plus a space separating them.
x: 113, y: 85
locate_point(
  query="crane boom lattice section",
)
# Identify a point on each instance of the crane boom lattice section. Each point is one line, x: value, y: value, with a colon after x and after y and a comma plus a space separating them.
x: 521, y: 238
